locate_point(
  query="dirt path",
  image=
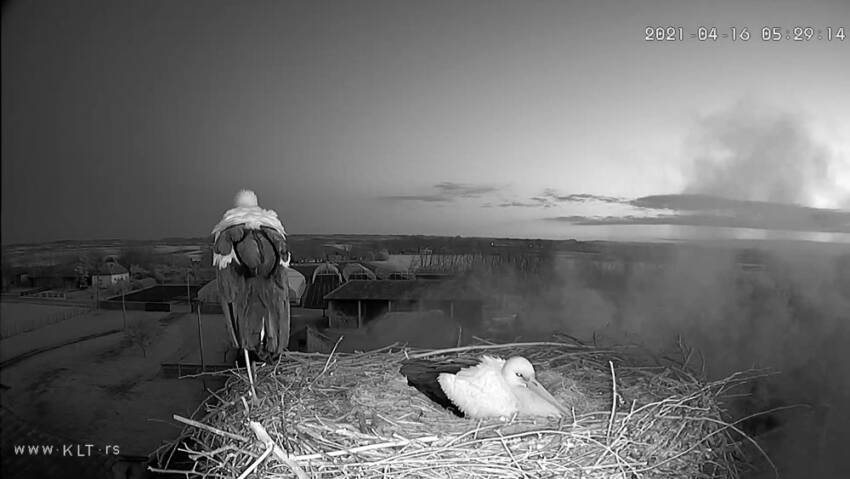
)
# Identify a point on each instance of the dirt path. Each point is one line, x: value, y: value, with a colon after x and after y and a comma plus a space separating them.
x: 106, y: 391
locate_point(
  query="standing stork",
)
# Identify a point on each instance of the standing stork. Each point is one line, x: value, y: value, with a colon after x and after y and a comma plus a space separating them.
x: 251, y: 257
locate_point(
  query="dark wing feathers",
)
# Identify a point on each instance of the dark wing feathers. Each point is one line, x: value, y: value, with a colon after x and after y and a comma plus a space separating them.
x: 227, y: 238
x: 422, y: 374
x: 276, y: 239
x: 223, y: 245
x: 254, y: 289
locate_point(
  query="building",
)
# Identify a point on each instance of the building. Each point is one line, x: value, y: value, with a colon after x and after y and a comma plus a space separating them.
x: 353, y: 271
x: 326, y: 278
x: 48, y: 277
x: 109, y: 273
x: 357, y: 302
x: 397, y: 268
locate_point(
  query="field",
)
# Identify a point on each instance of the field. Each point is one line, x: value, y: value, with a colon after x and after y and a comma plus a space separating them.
x: 109, y: 390
x: 773, y: 305
x: 17, y: 318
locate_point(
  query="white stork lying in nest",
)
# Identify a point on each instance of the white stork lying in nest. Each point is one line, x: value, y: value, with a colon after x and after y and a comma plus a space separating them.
x: 251, y: 257
x: 487, y: 388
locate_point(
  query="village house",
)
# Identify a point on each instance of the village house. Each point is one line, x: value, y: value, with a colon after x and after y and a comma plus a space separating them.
x: 48, y: 277
x: 109, y: 273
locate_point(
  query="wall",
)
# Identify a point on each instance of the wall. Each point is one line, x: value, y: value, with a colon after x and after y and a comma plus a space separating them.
x: 106, y: 280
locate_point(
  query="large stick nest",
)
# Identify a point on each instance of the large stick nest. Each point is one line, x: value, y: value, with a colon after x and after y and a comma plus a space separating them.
x: 354, y: 416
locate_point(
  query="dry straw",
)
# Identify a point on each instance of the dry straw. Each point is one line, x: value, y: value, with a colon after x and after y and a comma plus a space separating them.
x: 354, y: 416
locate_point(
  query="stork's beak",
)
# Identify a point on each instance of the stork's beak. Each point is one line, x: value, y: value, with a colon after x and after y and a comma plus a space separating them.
x: 538, y: 389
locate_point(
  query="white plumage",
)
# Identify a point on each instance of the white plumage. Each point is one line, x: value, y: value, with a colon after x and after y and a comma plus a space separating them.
x: 245, y: 199
x: 250, y: 256
x: 499, y: 388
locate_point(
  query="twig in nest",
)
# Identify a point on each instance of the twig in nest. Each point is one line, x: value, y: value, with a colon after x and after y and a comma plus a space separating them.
x: 256, y: 463
x: 211, y: 429
x: 487, y: 346
x: 510, y: 454
x: 368, y: 447
x: 330, y: 356
x: 266, y: 439
x: 613, y: 403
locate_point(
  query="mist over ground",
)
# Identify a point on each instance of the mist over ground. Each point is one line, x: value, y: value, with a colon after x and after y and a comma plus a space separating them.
x: 779, y: 307
x: 782, y: 308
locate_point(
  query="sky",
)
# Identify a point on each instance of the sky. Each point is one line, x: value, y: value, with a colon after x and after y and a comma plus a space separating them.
x: 142, y: 119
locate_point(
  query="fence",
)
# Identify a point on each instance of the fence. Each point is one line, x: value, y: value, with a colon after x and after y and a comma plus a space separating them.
x: 50, y: 294
x: 11, y: 325
x: 34, y: 291
x: 136, y: 305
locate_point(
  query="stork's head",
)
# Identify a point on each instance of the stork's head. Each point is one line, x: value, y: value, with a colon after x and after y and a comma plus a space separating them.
x: 518, y: 371
x: 246, y: 198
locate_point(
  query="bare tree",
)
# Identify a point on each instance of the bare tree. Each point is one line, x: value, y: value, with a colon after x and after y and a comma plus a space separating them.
x: 142, y: 334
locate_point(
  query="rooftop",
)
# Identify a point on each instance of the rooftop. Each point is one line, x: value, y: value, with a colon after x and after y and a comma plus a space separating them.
x: 110, y: 268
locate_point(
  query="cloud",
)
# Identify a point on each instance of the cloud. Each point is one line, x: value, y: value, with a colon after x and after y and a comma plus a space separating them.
x: 520, y: 204
x: 706, y: 210
x: 754, y: 152
x: 425, y: 198
x: 461, y: 190
x: 448, y: 191
x: 750, y: 166
x: 550, y: 198
x: 580, y: 197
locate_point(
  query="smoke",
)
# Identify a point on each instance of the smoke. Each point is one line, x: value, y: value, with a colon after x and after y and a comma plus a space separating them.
x: 785, y: 307
x: 755, y: 152
x: 791, y: 315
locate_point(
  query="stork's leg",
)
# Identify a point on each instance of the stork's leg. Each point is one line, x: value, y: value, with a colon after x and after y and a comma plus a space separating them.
x: 232, y: 324
x: 249, y: 367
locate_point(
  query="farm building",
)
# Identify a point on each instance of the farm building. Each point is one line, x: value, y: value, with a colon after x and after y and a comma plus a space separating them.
x: 391, y: 270
x: 325, y: 279
x: 353, y: 271
x: 297, y: 285
x: 306, y: 270
x: 51, y: 277
x: 109, y: 273
x: 416, y: 329
x: 208, y: 294
x: 357, y: 302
